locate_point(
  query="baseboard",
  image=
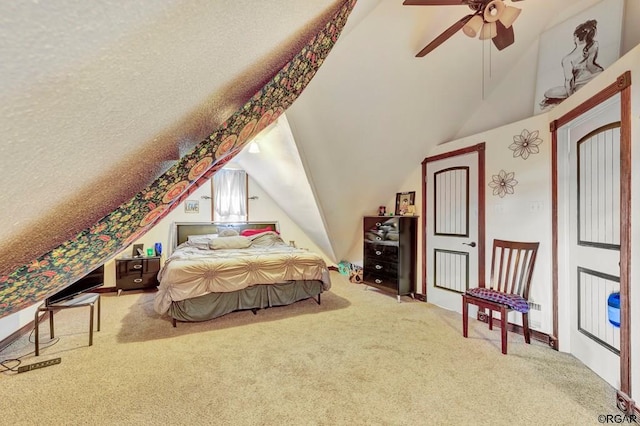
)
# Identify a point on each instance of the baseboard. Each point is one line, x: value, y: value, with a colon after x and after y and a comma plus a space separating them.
x: 535, y: 334
x: 25, y: 329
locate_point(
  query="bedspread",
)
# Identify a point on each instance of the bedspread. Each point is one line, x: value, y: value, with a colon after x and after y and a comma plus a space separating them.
x: 193, y: 271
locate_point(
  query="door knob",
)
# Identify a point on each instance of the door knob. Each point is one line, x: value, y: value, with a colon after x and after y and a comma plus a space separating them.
x: 472, y: 244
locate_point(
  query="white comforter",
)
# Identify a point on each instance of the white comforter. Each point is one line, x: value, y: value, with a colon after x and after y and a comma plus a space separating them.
x: 192, y: 271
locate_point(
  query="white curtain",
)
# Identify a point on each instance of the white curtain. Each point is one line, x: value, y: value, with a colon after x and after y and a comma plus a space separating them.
x: 230, y: 196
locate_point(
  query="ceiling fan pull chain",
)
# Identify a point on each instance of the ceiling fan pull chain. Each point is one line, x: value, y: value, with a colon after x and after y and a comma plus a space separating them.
x: 484, y: 67
x: 490, y: 58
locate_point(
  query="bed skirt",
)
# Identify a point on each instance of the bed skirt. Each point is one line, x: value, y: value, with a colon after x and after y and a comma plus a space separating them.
x: 260, y: 296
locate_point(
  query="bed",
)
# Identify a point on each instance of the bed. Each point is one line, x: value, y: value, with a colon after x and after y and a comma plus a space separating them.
x: 217, y: 268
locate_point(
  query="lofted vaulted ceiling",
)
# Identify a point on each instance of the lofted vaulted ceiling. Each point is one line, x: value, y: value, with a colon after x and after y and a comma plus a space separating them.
x: 98, y: 98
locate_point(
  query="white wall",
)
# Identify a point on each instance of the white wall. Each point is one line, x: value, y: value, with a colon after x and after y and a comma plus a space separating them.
x: 524, y: 215
x: 264, y: 208
x: 12, y: 323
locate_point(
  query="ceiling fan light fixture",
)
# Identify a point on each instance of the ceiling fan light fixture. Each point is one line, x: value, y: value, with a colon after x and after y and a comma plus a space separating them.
x: 493, y: 11
x: 489, y: 30
x: 509, y: 15
x: 473, y: 27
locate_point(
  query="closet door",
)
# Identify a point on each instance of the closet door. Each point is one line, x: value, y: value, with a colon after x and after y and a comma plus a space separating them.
x: 594, y: 240
x: 451, y: 229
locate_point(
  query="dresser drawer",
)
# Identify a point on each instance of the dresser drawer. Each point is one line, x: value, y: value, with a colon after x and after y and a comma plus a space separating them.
x: 380, y: 267
x: 386, y: 253
x: 380, y: 280
x: 133, y: 266
x: 137, y: 266
x: 133, y: 282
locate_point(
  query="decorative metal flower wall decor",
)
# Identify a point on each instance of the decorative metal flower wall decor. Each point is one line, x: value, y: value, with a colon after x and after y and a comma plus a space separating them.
x: 503, y: 183
x: 525, y: 144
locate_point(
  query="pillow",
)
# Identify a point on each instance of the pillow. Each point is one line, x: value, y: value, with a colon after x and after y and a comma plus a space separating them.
x: 236, y: 242
x: 228, y: 233
x: 266, y: 239
x: 250, y: 232
x: 201, y: 238
x: 200, y: 241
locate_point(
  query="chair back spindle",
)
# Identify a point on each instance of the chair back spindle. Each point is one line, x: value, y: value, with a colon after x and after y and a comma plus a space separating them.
x: 512, y: 267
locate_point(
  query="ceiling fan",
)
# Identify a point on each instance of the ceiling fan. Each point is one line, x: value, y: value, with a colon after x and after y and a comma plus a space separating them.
x: 491, y: 19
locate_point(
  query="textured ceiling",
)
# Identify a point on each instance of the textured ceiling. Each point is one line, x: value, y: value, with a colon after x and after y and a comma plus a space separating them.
x: 97, y: 98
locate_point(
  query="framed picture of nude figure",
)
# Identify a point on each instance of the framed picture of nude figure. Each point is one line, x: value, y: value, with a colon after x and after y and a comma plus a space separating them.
x: 576, y: 51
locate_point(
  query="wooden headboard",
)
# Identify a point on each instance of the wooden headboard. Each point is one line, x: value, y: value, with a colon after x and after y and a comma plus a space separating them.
x: 182, y: 230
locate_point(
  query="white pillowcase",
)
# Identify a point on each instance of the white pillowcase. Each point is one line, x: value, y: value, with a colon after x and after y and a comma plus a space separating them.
x: 200, y: 241
x: 237, y: 242
x: 201, y: 238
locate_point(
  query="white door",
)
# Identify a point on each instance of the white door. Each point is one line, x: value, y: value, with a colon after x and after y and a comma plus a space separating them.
x: 594, y: 237
x: 452, y: 229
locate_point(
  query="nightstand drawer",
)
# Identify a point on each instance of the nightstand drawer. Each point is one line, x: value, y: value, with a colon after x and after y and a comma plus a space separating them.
x: 136, y: 282
x: 137, y: 273
x: 134, y: 266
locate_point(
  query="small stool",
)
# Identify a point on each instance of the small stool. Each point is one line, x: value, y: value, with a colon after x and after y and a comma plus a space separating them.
x: 84, y: 299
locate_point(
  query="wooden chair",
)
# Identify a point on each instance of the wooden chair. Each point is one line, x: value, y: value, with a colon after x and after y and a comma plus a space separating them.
x: 511, y: 269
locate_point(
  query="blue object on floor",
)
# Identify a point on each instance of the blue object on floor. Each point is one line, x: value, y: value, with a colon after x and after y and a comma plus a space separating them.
x: 613, y: 309
x: 344, y: 267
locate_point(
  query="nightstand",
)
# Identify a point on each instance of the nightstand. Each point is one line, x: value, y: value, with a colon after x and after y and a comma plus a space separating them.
x: 137, y: 273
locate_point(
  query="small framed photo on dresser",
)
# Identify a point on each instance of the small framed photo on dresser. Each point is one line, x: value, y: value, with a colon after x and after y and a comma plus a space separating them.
x: 405, y: 203
x: 137, y: 250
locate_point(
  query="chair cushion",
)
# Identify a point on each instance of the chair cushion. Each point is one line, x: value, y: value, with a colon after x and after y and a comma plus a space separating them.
x: 513, y: 301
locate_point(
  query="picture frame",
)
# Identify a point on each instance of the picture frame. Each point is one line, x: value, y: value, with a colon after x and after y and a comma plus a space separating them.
x: 575, y: 51
x: 138, y: 250
x: 192, y: 206
x: 403, y: 202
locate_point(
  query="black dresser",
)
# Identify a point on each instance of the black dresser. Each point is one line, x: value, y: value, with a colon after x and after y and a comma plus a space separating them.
x: 137, y: 273
x: 390, y: 253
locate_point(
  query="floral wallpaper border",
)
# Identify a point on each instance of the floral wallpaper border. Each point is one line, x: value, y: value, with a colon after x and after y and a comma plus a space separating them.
x: 74, y: 258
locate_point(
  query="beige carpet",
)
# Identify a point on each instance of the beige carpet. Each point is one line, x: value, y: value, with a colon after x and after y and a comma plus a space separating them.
x: 359, y: 358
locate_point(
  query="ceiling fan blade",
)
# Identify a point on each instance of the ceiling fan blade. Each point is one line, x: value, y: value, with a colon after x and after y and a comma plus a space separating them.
x: 444, y: 36
x: 505, y: 36
x: 434, y: 2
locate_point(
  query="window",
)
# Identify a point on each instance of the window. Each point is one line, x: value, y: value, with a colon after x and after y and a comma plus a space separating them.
x: 230, y: 196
